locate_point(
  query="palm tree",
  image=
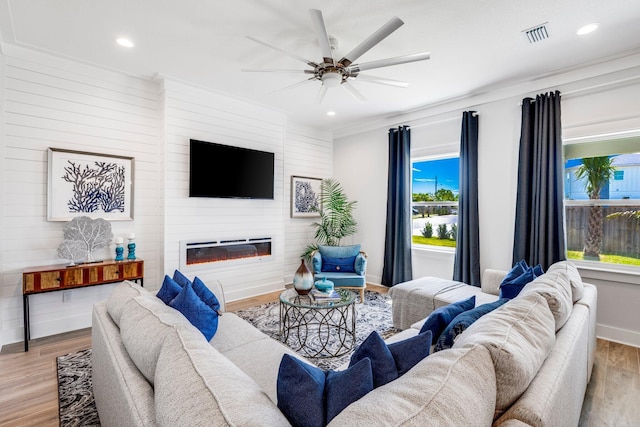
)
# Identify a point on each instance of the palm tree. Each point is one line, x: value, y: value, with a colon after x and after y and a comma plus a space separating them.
x: 597, y: 171
x: 336, y: 217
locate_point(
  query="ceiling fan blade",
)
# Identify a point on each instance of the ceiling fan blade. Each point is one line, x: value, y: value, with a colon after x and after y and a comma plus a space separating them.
x: 380, y: 80
x: 388, y: 62
x: 273, y: 70
x: 302, y: 83
x: 321, y: 33
x: 321, y: 94
x: 353, y: 91
x: 293, y: 55
x: 375, y: 38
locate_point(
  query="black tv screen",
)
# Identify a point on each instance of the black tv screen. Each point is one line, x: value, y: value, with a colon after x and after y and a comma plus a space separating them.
x: 217, y: 170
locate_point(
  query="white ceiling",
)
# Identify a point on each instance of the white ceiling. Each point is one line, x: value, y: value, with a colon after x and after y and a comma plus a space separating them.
x: 475, y: 45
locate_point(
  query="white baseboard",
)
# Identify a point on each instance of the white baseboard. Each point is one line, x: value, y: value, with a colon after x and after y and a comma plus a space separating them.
x: 622, y: 336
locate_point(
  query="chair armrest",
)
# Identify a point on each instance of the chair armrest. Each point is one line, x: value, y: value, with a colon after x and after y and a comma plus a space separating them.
x: 361, y: 263
x: 491, y: 280
x: 316, y: 262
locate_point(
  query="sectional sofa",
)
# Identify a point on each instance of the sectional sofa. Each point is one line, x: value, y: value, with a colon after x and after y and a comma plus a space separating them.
x: 151, y: 367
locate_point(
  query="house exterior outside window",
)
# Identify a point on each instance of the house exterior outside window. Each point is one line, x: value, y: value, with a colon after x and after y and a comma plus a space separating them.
x: 603, y: 226
x: 435, y: 186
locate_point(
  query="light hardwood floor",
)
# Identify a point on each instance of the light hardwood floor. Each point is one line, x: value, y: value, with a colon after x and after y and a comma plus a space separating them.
x: 29, y: 389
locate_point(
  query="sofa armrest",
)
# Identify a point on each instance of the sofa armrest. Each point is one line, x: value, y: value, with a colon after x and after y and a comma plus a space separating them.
x: 316, y: 262
x: 491, y: 280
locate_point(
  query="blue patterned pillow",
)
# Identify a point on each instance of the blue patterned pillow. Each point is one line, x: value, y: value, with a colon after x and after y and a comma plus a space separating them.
x: 338, y: 265
x: 462, y: 321
x: 196, y: 311
x: 309, y: 396
x: 169, y: 290
x: 441, y: 317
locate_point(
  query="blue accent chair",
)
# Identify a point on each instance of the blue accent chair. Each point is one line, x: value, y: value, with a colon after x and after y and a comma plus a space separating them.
x: 345, y: 266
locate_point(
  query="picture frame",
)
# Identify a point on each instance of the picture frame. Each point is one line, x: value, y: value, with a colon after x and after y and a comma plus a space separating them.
x: 81, y: 183
x: 305, y: 197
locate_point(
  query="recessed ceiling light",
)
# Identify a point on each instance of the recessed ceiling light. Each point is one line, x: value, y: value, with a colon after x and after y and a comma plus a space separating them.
x: 124, y: 42
x: 331, y: 113
x: 589, y: 28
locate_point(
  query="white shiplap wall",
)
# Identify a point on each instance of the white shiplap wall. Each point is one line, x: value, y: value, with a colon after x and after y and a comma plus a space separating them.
x: 53, y: 102
x: 308, y: 153
x: 192, y: 112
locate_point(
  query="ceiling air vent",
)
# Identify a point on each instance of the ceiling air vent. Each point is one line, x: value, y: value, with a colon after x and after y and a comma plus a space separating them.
x: 537, y: 33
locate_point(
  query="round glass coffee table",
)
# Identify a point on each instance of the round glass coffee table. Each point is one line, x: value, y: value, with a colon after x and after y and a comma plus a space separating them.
x: 318, y: 328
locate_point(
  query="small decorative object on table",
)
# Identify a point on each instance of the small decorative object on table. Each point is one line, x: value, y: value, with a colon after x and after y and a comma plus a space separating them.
x: 131, y: 247
x: 325, y: 297
x: 324, y: 285
x: 119, y: 249
x: 82, y: 237
x: 302, y: 279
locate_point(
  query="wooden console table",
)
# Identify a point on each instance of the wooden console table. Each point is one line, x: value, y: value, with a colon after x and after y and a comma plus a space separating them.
x: 52, y: 278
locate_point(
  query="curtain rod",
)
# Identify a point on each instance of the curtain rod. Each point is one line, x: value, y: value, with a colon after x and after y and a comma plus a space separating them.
x: 590, y: 88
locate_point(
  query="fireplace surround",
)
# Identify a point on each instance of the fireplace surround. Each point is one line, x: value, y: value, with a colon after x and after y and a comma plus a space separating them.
x: 211, y: 253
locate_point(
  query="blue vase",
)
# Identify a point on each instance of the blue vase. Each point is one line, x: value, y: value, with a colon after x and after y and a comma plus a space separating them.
x: 324, y: 285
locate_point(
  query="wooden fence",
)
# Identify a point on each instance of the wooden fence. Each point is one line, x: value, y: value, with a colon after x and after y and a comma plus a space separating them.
x: 621, y: 235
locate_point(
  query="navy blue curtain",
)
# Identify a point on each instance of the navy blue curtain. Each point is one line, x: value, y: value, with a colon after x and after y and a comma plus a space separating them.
x: 397, y: 244
x: 539, y: 228
x: 466, y: 267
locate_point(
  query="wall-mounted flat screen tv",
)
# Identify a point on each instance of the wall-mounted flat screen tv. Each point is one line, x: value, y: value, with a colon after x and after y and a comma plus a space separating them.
x: 217, y: 170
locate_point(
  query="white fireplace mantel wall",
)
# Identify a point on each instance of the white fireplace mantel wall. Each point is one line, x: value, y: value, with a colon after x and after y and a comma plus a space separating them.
x: 47, y: 101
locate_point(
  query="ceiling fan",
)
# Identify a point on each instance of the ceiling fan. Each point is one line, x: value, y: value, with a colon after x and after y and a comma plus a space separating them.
x: 334, y: 73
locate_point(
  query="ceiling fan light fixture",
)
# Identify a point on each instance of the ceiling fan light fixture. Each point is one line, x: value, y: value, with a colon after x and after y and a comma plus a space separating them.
x: 331, y: 79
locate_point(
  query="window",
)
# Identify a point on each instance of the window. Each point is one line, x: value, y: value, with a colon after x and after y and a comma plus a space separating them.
x: 602, y: 201
x: 435, y: 201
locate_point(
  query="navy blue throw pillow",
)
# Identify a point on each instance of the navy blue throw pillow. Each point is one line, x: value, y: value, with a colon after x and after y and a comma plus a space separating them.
x: 407, y: 353
x: 309, y: 396
x: 196, y: 311
x: 205, y: 294
x: 383, y: 366
x: 511, y: 289
x: 169, y: 290
x: 462, y: 321
x: 519, y: 268
x: 338, y: 265
x: 180, y: 278
x: 441, y: 317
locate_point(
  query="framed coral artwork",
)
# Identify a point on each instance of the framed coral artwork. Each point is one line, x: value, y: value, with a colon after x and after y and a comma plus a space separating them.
x: 305, y: 197
x: 89, y: 184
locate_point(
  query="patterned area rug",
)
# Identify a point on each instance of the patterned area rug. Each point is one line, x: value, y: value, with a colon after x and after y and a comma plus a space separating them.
x: 373, y: 315
x: 75, y: 395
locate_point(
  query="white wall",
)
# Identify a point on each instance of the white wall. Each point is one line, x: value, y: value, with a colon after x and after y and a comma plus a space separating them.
x: 308, y: 153
x: 207, y: 116
x: 52, y: 102
x: 598, y: 99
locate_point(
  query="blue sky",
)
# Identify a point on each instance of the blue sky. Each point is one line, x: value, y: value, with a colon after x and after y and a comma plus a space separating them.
x: 447, y: 172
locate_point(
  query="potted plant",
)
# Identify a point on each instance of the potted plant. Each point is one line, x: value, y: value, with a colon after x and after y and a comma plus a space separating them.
x: 336, y: 217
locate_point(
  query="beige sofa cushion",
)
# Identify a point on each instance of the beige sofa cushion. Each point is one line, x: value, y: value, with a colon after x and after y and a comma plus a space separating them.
x: 519, y: 335
x: 555, y: 288
x: 119, y: 296
x: 449, y: 388
x: 145, y: 322
x: 569, y: 268
x: 195, y: 386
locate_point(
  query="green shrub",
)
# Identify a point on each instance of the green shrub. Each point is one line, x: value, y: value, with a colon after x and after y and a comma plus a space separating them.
x: 453, y: 234
x: 442, y: 231
x: 427, y: 231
